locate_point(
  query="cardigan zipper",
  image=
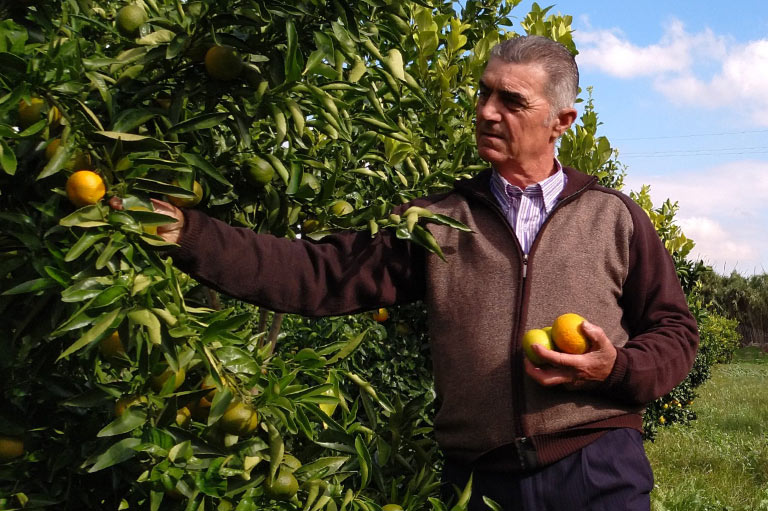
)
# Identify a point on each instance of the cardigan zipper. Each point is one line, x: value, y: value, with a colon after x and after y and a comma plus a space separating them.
x: 517, y: 368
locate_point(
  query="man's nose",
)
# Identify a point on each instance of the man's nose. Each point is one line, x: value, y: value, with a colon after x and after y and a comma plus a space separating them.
x: 488, y: 110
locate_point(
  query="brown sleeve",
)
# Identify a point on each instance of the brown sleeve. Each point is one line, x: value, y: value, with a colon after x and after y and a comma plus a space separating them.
x: 663, y: 333
x: 344, y: 273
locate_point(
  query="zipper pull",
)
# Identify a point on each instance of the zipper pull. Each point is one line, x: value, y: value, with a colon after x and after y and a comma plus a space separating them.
x: 525, y: 265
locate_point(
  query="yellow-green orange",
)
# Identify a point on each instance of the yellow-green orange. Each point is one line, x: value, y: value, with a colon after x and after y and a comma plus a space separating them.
x: 29, y: 113
x: 239, y: 419
x: 536, y: 336
x: 125, y: 402
x: 283, y: 487
x: 197, y: 189
x: 157, y: 382
x: 130, y: 19
x: 85, y: 187
x: 223, y: 63
x: 391, y: 507
x: 567, y: 334
x: 259, y: 171
x: 11, y: 447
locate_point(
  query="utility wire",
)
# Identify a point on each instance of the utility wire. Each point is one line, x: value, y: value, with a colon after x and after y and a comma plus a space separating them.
x: 663, y: 137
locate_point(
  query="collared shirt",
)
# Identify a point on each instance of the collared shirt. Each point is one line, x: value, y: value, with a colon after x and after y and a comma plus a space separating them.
x: 526, y: 210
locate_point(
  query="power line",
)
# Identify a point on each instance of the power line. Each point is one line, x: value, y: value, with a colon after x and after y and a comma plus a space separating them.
x: 664, y: 137
x: 707, y: 150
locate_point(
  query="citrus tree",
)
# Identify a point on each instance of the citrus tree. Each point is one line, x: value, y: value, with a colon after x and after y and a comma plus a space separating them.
x: 125, y: 384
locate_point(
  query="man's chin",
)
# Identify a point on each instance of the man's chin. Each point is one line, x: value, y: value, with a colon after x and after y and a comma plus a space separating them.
x: 491, y: 155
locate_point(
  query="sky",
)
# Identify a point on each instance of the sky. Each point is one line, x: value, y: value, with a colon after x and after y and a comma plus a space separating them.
x: 681, y: 88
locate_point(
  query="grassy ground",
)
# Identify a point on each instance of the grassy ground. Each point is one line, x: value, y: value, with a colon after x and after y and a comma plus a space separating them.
x: 720, y: 462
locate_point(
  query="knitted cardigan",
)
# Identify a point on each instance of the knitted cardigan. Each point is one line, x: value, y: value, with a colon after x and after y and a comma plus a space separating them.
x: 597, y: 255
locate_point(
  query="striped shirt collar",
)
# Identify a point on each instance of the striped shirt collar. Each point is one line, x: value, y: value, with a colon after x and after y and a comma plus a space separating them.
x: 550, y: 188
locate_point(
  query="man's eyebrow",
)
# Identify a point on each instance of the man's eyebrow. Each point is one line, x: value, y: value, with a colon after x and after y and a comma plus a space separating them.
x: 506, y: 95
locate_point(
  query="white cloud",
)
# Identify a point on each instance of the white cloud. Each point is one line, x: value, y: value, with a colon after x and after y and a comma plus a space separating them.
x: 722, y: 209
x: 695, y: 69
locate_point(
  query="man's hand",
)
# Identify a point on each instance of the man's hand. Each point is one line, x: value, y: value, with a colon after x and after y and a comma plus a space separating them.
x: 575, y: 371
x: 169, y: 232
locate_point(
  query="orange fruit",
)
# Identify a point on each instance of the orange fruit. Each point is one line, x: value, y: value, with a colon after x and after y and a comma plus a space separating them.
x: 50, y: 149
x: 29, y: 113
x: 259, y: 171
x: 130, y: 19
x: 157, y: 382
x: 381, y: 315
x: 392, y: 507
x: 125, y: 402
x: 11, y: 447
x: 283, y: 487
x: 538, y: 336
x: 567, y: 334
x: 85, y: 187
x: 239, y: 419
x: 183, y: 417
x: 310, y: 225
x: 197, y: 189
x: 111, y: 346
x: 223, y: 63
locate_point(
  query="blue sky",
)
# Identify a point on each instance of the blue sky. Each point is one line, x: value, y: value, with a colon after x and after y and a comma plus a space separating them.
x: 681, y: 88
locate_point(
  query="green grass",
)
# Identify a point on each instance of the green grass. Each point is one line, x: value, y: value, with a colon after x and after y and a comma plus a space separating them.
x: 720, y: 461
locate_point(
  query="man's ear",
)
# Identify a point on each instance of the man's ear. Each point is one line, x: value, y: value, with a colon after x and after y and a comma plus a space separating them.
x: 562, y: 121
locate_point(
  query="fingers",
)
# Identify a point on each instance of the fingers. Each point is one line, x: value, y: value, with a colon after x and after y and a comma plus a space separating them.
x: 575, y: 371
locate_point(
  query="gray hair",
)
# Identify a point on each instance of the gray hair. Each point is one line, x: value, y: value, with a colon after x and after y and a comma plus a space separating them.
x: 562, y: 85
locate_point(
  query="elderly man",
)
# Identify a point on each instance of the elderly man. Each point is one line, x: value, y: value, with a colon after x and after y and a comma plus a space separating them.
x: 547, y: 240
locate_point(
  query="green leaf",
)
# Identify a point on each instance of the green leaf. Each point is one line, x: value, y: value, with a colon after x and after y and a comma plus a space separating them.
x: 89, y: 216
x: 132, y: 418
x: 217, y: 328
x: 131, y: 119
x: 293, y: 59
x: 321, y: 467
x: 31, y: 286
x: 150, y: 185
x: 146, y: 318
x: 200, y: 122
x: 85, y: 242
x: 133, y: 142
x: 348, y: 347
x: 104, y: 323
x: 117, y: 453
x: 221, y: 401
x: 7, y: 158
x: 364, y: 458
x: 208, y: 169
x: 446, y: 220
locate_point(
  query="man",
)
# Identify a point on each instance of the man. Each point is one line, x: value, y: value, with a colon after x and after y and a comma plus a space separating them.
x: 546, y: 241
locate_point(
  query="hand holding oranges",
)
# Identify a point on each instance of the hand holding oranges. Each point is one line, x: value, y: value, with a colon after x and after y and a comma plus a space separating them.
x: 580, y: 353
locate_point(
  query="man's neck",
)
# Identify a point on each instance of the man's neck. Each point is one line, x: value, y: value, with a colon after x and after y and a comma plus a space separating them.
x: 524, y: 175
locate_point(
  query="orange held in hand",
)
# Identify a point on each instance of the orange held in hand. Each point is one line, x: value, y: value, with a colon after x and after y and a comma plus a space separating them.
x: 85, y: 187
x: 540, y: 336
x: 567, y: 334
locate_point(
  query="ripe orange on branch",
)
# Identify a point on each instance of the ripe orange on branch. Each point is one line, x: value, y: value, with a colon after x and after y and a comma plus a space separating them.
x: 223, y: 63
x: 11, y: 447
x: 85, y: 187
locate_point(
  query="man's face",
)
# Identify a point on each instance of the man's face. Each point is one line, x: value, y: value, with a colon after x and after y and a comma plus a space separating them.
x: 513, y: 125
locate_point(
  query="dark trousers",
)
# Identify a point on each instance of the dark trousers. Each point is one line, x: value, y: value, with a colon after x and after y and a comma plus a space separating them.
x: 610, y: 474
